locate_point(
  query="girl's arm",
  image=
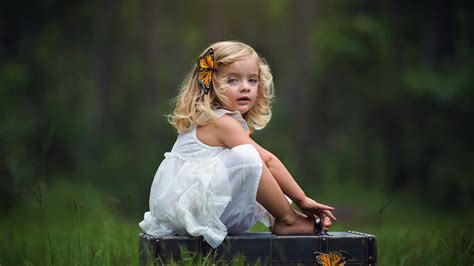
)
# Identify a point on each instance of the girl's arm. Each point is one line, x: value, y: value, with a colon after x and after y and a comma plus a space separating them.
x: 230, y: 133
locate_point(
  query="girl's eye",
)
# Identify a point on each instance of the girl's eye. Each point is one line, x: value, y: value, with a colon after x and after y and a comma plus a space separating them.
x: 254, y: 81
x: 232, y: 81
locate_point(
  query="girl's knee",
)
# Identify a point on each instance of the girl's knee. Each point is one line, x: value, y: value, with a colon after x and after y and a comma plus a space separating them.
x: 245, y: 154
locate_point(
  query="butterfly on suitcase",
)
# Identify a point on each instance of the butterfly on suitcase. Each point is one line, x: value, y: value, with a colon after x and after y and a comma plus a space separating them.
x: 333, y: 258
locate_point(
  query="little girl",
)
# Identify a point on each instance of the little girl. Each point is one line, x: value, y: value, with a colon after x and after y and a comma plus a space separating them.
x: 217, y: 180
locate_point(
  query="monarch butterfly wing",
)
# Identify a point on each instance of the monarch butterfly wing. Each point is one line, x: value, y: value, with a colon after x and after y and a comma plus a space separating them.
x: 324, y: 259
x: 206, y: 65
x: 204, y: 79
x: 336, y: 258
x: 203, y: 63
x: 210, y: 60
x: 207, y: 60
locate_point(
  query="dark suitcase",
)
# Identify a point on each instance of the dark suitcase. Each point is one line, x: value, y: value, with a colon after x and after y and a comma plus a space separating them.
x: 351, y: 247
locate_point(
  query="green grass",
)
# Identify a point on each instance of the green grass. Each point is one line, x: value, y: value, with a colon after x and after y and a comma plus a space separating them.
x: 408, y: 232
x: 85, y: 229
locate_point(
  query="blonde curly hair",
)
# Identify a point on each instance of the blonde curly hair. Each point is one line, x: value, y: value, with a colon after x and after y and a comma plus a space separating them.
x: 194, y: 107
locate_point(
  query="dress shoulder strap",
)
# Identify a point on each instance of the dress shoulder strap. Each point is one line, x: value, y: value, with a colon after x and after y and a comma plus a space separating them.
x: 235, y: 114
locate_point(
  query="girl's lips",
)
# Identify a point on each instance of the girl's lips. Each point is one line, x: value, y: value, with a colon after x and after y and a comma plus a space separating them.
x: 243, y: 100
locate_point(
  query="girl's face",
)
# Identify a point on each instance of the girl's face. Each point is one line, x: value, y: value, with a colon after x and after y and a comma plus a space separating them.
x: 241, y: 80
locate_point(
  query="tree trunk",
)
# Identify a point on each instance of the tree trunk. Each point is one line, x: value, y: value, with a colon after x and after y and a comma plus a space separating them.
x: 299, y: 91
x: 151, y: 51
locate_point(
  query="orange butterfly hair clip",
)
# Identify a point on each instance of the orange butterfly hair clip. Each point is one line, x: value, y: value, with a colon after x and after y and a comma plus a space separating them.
x: 206, y: 67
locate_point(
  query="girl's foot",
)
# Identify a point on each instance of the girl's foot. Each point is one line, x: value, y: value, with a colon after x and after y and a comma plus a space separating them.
x: 298, y: 224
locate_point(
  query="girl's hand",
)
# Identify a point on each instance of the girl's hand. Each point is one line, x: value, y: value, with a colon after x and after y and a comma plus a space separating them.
x: 312, y: 209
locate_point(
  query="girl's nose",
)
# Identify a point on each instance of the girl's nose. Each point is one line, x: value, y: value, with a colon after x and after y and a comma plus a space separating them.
x: 245, y: 87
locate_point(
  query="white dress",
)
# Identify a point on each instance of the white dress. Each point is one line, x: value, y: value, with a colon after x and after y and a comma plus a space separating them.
x: 207, y: 191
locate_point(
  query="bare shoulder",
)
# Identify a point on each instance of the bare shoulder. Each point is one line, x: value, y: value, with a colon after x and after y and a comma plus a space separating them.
x: 226, y: 131
x: 228, y: 123
x: 214, y: 133
x: 231, y: 132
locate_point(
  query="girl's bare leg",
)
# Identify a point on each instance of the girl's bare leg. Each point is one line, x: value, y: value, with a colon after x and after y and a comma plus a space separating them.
x: 287, y: 220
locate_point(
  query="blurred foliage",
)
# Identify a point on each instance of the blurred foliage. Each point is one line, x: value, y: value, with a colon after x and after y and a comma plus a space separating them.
x: 371, y: 93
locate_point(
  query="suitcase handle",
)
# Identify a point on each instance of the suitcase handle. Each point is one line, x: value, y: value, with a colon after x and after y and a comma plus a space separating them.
x: 318, y: 228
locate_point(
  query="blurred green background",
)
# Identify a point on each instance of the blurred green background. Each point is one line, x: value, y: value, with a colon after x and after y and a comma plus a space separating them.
x: 373, y: 114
